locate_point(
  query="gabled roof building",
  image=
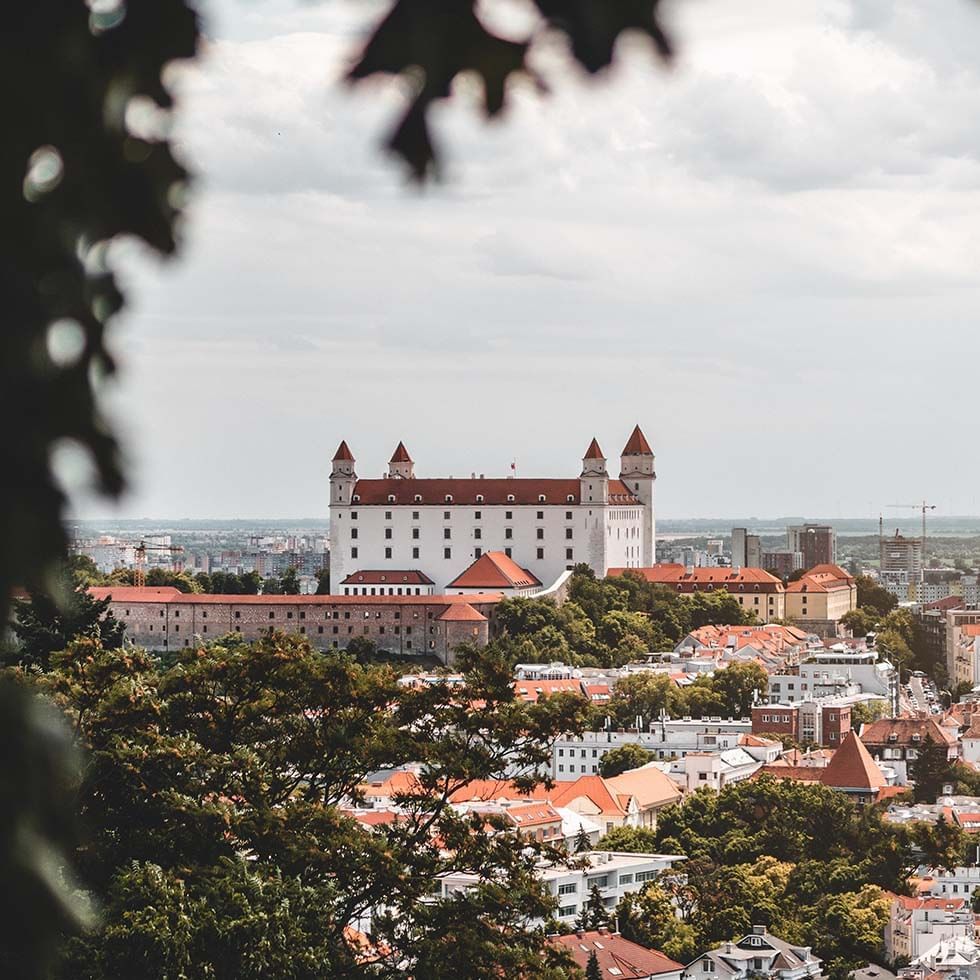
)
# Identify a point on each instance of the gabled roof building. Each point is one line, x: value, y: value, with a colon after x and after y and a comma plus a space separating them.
x: 757, y: 954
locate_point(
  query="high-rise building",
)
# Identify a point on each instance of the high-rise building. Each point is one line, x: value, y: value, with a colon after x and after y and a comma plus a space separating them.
x: 901, y: 558
x: 746, y: 549
x: 816, y: 542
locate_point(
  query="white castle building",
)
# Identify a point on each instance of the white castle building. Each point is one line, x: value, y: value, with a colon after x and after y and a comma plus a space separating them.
x: 401, y: 524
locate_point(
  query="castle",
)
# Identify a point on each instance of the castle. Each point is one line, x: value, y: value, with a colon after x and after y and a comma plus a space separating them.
x: 402, y: 533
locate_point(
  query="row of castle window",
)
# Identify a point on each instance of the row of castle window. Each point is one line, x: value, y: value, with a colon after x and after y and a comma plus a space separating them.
x: 477, y: 515
x: 330, y: 614
x: 447, y: 533
x: 447, y: 553
x: 335, y: 644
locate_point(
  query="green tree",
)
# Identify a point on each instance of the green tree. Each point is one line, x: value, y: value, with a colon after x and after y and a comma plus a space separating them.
x: 323, y: 581
x: 594, y: 912
x: 874, y: 598
x: 47, y: 622
x: 248, y: 750
x: 592, y: 969
x: 582, y: 841
x: 739, y: 686
x: 930, y: 769
x: 290, y: 582
x: 649, y: 918
x: 271, y: 586
x: 859, y: 621
x: 866, y: 712
x: 624, y: 757
x: 636, y: 840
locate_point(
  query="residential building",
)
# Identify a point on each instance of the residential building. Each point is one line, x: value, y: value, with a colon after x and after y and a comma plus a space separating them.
x: 817, y: 543
x: 441, y: 526
x: 916, y: 925
x: 759, y: 954
x: 964, y: 638
x: 746, y: 549
x: 957, y: 958
x: 835, y: 673
x: 574, y: 755
x: 614, y: 873
x: 167, y: 619
x: 961, y: 882
x: 716, y: 770
x: 652, y: 789
x: 811, y: 722
x: 774, y: 646
x: 782, y: 562
x: 895, y: 742
x: 818, y: 599
x: 617, y: 957
x: 755, y: 589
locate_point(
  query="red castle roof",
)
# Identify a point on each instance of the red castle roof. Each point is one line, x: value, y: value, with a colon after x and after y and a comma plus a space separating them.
x: 494, y: 571
x: 343, y: 452
x: 400, y: 455
x: 594, y: 452
x: 637, y: 444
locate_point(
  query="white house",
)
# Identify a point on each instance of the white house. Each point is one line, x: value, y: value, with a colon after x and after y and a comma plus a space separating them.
x: 757, y: 954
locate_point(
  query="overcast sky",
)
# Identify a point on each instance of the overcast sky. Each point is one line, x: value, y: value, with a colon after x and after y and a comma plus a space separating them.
x: 766, y: 256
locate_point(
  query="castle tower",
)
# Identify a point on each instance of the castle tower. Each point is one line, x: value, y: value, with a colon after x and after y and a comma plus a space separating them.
x: 638, y: 472
x: 342, y: 476
x: 400, y: 466
x: 594, y: 478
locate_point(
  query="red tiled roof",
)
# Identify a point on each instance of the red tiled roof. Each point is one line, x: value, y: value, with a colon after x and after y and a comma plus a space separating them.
x: 533, y: 814
x: 593, y: 787
x: 494, y: 571
x: 494, y: 789
x: 819, y: 582
x: 533, y: 690
x: 829, y: 568
x: 400, y: 455
x: 909, y: 903
x: 720, y: 578
x: 852, y: 767
x: 493, y: 491
x: 637, y: 444
x: 880, y: 732
x: 970, y: 629
x: 947, y: 602
x: 462, y: 613
x: 629, y: 960
x: 343, y: 452
x: 378, y: 577
x: 168, y: 595
x: 594, y: 452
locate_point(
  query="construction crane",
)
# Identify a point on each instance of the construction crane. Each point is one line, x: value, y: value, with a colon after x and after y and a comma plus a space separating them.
x: 139, y: 555
x: 923, y: 507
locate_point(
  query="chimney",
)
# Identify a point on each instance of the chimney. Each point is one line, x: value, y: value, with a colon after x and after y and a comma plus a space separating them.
x: 758, y: 930
x: 580, y: 934
x: 603, y: 930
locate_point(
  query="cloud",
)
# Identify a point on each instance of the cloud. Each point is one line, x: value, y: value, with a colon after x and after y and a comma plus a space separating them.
x: 765, y: 255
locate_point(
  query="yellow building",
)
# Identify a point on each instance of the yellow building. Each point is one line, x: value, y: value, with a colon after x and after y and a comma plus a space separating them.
x: 821, y: 596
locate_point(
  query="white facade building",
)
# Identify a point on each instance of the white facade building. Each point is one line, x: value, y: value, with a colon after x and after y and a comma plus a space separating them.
x: 577, y: 755
x: 439, y: 527
x: 836, y: 673
x: 614, y: 873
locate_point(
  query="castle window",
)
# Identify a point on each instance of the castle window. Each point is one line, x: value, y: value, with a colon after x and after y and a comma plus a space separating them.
x: 477, y: 533
x: 415, y: 552
x: 570, y: 498
x: 540, y: 533
x: 479, y: 499
x: 356, y: 498
x: 387, y: 515
x: 238, y: 615
x: 447, y: 552
x: 446, y: 515
x: 449, y: 498
x: 353, y: 552
x: 415, y: 534
x: 447, y: 532
x: 540, y: 515
x: 507, y: 552
x: 391, y: 499
x: 510, y: 498
x: 388, y: 533
x: 272, y: 615
x: 353, y: 515
x: 418, y: 500
x: 568, y: 532
x: 508, y: 532
x: 508, y: 515
x: 477, y: 552
x: 541, y: 498
x: 353, y: 532
x: 387, y: 552
x: 478, y: 515
x: 540, y: 553
x: 415, y: 515
x: 568, y: 554
x: 568, y: 515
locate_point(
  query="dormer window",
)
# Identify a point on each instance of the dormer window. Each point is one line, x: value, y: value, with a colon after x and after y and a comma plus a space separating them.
x: 510, y: 498
x: 892, y: 737
x: 479, y: 498
x: 449, y: 498
x: 916, y: 737
x: 356, y: 498
x: 541, y: 498
x: 418, y: 498
x: 391, y: 498
x: 570, y: 498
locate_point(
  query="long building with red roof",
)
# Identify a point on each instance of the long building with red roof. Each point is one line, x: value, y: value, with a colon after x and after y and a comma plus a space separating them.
x: 441, y: 527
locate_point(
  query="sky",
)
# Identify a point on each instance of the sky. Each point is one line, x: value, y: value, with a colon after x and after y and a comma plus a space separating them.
x: 766, y: 256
